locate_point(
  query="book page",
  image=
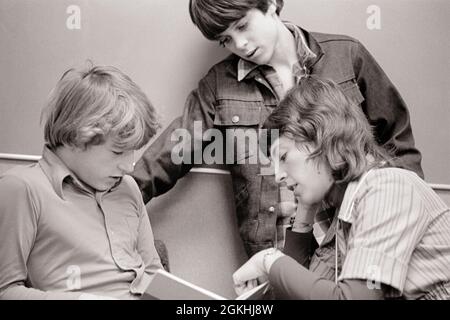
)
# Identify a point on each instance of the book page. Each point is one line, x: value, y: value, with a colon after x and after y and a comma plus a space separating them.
x: 256, y: 293
x: 166, y: 286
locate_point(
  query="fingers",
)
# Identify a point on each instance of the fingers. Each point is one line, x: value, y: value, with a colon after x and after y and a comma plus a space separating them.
x: 246, y: 276
x: 244, y: 287
x: 245, y: 273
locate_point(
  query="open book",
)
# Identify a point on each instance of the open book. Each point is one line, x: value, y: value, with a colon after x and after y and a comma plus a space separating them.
x: 166, y: 286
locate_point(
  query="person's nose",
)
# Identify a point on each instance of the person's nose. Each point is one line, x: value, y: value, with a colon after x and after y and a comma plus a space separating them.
x: 240, y: 42
x: 280, y: 176
x: 126, y: 166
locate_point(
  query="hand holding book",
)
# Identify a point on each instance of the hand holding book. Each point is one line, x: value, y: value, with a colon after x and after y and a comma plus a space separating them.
x: 167, y: 286
x: 256, y: 268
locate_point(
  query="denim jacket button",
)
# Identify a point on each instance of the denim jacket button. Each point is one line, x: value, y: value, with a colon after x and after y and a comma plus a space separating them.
x: 272, y: 209
x: 235, y: 119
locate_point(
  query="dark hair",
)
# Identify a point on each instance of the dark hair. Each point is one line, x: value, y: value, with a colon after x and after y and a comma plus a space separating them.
x: 213, y: 17
x: 316, y: 112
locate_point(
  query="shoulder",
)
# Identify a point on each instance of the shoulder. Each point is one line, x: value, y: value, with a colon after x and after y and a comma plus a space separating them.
x: 129, y: 189
x: 402, y: 187
x: 22, y: 178
x: 223, y: 69
x: 130, y: 185
x: 390, y: 181
x: 394, y: 176
x: 329, y: 38
x: 19, y: 188
x: 338, y: 45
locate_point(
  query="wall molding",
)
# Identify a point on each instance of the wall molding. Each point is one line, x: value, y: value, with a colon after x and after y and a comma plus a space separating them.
x: 33, y: 158
x: 19, y: 157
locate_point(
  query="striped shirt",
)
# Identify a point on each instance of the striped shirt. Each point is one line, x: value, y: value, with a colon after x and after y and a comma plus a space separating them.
x: 397, y: 232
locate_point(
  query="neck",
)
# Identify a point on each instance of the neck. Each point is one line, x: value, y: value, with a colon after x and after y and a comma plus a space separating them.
x: 63, y: 154
x: 336, y: 194
x: 285, y: 54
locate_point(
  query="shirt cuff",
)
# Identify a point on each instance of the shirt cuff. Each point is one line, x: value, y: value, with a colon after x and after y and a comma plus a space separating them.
x: 298, y: 246
x: 369, y: 264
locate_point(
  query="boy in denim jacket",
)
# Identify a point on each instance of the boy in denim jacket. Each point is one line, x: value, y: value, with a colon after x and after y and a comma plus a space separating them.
x: 268, y: 57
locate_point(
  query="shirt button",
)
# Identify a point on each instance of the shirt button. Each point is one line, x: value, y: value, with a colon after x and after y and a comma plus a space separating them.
x: 271, y: 209
x: 235, y: 119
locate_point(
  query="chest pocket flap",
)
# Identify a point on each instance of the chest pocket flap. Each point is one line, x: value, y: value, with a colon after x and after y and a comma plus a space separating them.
x: 238, y: 113
x: 351, y: 90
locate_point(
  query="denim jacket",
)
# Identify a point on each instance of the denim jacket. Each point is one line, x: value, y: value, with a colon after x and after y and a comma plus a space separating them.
x: 223, y: 102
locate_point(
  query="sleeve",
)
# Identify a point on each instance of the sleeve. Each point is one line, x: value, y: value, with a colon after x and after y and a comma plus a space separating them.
x: 388, y: 221
x: 386, y: 111
x: 18, y: 228
x: 146, y: 244
x: 299, y: 246
x: 291, y: 280
x: 157, y: 171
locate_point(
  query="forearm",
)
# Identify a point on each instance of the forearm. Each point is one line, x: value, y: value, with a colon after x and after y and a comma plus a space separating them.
x: 20, y: 292
x: 155, y: 172
x: 298, y: 245
x: 175, y: 151
x: 293, y: 281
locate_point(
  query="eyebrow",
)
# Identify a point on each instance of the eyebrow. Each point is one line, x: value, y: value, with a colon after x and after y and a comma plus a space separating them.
x: 231, y: 26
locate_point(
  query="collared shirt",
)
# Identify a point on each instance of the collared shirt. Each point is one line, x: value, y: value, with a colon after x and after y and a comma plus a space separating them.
x: 60, y: 239
x: 395, y: 231
x: 398, y: 233
x: 304, y: 54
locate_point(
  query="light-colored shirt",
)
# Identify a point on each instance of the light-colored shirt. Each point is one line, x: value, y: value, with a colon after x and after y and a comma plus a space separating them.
x: 59, y: 239
x: 398, y: 233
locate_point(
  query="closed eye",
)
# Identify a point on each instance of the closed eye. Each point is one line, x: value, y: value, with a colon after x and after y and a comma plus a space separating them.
x: 242, y: 27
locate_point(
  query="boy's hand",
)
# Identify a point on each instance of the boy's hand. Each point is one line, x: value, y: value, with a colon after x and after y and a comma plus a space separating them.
x: 256, y: 268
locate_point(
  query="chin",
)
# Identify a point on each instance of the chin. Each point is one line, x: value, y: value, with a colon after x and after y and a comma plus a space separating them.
x: 102, y: 187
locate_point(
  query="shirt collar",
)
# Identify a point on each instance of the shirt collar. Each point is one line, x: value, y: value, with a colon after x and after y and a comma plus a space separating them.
x: 55, y: 170
x: 304, y: 53
x: 58, y: 174
x: 346, y: 208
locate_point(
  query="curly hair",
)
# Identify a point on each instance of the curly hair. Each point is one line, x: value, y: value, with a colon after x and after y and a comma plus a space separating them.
x: 316, y: 113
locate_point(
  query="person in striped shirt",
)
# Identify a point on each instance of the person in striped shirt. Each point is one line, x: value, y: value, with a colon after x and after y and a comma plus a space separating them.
x: 390, y: 236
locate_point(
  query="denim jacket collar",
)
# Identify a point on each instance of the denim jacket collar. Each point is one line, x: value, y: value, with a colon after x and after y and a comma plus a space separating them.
x: 307, y: 56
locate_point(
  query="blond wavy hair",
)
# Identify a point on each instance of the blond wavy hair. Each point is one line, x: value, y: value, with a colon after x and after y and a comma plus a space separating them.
x: 88, y: 106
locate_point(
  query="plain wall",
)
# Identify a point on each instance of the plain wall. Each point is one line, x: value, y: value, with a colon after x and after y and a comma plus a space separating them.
x: 154, y: 42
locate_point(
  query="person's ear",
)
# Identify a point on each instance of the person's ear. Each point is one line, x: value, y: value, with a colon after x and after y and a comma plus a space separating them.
x: 272, y: 7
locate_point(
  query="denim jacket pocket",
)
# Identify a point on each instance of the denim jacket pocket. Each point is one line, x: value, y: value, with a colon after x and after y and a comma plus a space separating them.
x: 238, y: 113
x: 239, y: 122
x: 351, y: 91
